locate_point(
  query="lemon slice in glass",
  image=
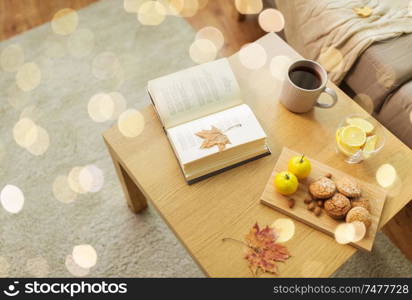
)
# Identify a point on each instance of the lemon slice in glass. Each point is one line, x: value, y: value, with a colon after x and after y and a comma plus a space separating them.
x: 338, y: 133
x: 370, y: 145
x: 353, y: 136
x: 345, y: 149
x: 362, y: 123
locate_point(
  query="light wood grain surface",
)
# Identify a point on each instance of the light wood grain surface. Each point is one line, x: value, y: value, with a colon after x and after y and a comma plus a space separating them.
x: 227, y: 205
x: 375, y: 195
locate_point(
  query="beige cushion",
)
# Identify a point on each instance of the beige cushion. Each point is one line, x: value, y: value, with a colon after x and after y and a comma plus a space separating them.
x: 396, y: 114
x: 381, y: 69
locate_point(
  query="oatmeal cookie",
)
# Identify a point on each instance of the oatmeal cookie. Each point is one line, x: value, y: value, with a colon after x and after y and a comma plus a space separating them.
x: 322, y: 188
x: 359, y: 214
x: 337, y: 206
x: 360, y: 202
x: 348, y: 187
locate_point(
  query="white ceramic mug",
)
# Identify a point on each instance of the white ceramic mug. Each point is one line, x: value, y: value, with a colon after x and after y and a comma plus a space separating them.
x: 299, y: 92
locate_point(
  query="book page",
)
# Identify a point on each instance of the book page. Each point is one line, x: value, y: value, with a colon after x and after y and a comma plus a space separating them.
x: 195, y: 92
x: 239, y: 124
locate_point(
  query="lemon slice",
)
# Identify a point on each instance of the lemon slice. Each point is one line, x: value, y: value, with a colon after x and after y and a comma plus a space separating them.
x: 370, y: 145
x: 345, y: 149
x: 353, y: 136
x: 338, y: 133
x: 362, y: 123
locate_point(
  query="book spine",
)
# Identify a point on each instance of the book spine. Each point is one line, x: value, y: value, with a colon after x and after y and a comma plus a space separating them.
x: 157, y: 113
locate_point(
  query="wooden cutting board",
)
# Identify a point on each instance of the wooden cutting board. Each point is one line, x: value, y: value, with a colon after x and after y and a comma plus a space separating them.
x: 324, y: 223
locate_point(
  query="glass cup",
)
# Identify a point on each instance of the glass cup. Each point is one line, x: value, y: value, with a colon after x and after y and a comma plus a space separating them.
x: 374, y: 139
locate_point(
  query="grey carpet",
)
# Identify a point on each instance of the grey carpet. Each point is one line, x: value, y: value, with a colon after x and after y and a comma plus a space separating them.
x: 126, y: 244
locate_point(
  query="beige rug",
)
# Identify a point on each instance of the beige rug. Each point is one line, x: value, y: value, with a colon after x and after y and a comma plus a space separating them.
x: 39, y: 240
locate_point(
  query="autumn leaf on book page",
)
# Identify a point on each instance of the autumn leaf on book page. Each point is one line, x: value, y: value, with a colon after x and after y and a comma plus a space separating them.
x: 263, y: 252
x: 213, y: 137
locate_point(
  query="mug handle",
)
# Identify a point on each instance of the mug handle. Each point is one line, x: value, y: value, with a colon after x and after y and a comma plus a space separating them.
x: 331, y: 93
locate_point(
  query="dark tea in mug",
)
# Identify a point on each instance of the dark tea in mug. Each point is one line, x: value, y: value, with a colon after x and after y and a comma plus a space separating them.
x: 305, y: 78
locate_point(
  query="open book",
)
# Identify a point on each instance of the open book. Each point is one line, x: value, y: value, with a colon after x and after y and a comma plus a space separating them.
x: 209, y: 127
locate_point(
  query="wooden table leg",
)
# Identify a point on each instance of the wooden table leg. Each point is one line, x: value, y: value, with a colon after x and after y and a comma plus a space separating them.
x: 399, y: 230
x: 136, y: 200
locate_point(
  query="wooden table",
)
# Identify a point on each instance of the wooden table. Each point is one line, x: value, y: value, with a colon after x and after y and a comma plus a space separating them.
x: 227, y: 205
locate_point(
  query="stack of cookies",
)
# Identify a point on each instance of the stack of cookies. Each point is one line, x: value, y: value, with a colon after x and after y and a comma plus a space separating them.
x: 340, y: 198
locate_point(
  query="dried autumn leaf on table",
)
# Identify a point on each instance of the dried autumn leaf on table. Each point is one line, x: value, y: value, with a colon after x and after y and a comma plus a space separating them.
x: 363, y: 12
x: 213, y: 137
x: 263, y: 252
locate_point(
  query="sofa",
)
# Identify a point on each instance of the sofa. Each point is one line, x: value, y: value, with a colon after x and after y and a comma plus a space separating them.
x: 379, y: 79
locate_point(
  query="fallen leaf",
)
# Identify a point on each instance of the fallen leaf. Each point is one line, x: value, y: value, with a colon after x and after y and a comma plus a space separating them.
x: 213, y: 137
x: 263, y: 252
x: 363, y: 12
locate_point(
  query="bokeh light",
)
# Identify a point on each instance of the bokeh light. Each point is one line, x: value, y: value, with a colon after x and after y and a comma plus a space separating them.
x: 279, y: 66
x: 41, y: 144
x: 360, y: 231
x: 365, y: 102
x: 119, y: 104
x: 172, y: 7
x: 91, y: 178
x: 73, y: 179
x: 25, y: 132
x: 75, y: 269
x: 350, y: 232
x: 312, y: 268
x: 81, y: 43
x: 345, y: 233
x: 386, y: 175
x: 331, y: 59
x: 131, y: 123
x: 62, y: 190
x: 37, y: 267
x: 100, y: 107
x: 84, y: 256
x: 248, y: 7
x: 12, y: 198
x: 285, y: 228
x: 395, y: 189
x: 212, y: 34
x: 11, y: 58
x: 385, y: 77
x: 105, y: 65
x: 28, y: 76
x: 65, y: 21
x: 202, y: 51
x: 30, y: 136
x: 151, y: 13
x: 132, y: 6
x: 81, y: 180
x: 4, y: 267
x: 188, y: 8
x: 252, y: 56
x: 271, y: 20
